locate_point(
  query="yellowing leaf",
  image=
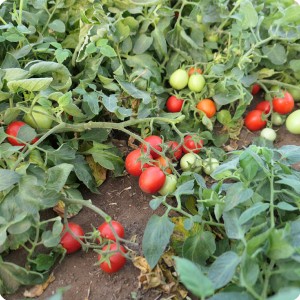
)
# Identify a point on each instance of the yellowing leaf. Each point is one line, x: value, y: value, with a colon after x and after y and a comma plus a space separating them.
x: 99, y: 172
x: 39, y: 289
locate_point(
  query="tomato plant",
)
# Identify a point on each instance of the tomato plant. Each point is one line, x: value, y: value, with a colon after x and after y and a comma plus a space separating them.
x: 196, y: 82
x: 40, y: 117
x: 254, y: 120
x: 293, y: 122
x: 264, y: 106
x: 192, y: 143
x: 107, y: 232
x: 283, y: 105
x: 115, y: 261
x: 174, y: 150
x: 152, y: 180
x: 174, y: 104
x: 133, y: 162
x: 255, y: 89
x: 68, y: 241
x: 208, y: 106
x: 155, y: 142
x: 269, y: 134
x: 169, y: 186
x: 179, y: 79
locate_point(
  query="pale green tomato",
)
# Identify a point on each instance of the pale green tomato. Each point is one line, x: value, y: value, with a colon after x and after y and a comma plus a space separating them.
x: 40, y: 117
x: 277, y: 119
x: 169, y: 186
x: 179, y: 79
x: 191, y: 162
x: 212, y: 37
x: 293, y: 122
x: 196, y: 82
x: 268, y: 134
x: 209, y: 165
x: 295, y: 92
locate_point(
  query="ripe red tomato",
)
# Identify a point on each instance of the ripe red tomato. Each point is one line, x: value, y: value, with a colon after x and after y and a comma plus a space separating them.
x: 107, y: 233
x: 192, y: 144
x: 283, y: 105
x: 13, y: 130
x: 255, y: 89
x: 254, y: 120
x: 193, y: 70
x: 155, y: 142
x: 208, y: 107
x: 174, y: 104
x: 163, y: 164
x: 152, y: 180
x: 116, y: 260
x: 175, y: 150
x: 264, y: 106
x: 68, y: 241
x: 133, y: 164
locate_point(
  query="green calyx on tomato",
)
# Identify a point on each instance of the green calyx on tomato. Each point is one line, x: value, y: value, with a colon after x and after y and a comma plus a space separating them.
x: 293, y: 122
x: 179, y: 79
x: 169, y: 186
x: 40, y: 117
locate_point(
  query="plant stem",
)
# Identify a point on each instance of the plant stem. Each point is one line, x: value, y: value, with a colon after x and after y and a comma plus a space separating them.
x: 271, y: 178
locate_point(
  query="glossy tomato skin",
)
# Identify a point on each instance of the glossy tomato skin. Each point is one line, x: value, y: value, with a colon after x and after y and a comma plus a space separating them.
x: 254, y: 120
x: 174, y: 104
x: 68, y: 241
x: 155, y: 142
x: 13, y: 129
x: 133, y: 164
x: 152, y: 180
x: 208, y: 106
x: 255, y: 89
x: 175, y: 150
x: 264, y: 106
x: 117, y: 260
x: 293, y: 122
x: 107, y: 233
x: 191, y: 144
x: 283, y: 105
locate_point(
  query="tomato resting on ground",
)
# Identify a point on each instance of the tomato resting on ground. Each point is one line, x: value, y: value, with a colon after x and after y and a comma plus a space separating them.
x: 208, y: 106
x: 107, y: 233
x: 254, y: 120
x: 116, y: 260
x: 192, y: 144
x: 264, y: 106
x: 174, y: 104
x: 174, y: 151
x: 283, y: 105
x: 133, y: 163
x: 152, y: 180
x: 68, y: 241
x: 155, y: 142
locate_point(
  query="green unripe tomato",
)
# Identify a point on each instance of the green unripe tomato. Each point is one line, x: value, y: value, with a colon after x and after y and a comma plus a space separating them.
x: 268, y: 134
x: 277, y: 119
x: 209, y: 165
x: 179, y: 79
x: 196, y: 82
x: 212, y: 37
x: 293, y: 122
x: 40, y: 117
x: 191, y: 162
x: 295, y: 92
x: 169, y: 186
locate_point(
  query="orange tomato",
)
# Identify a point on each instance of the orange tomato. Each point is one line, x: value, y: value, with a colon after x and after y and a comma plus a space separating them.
x: 208, y: 106
x: 193, y: 70
x: 163, y: 164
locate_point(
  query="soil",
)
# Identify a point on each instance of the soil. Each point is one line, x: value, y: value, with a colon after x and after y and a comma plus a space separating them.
x: 123, y: 200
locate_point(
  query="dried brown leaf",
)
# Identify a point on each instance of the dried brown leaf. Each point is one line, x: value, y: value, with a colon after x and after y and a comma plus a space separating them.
x: 98, y: 171
x: 39, y: 289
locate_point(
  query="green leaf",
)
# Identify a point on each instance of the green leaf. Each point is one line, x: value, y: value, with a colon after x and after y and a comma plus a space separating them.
x: 159, y: 43
x: 223, y: 269
x: 257, y: 242
x: 8, y: 178
x: 199, y: 247
x: 57, y: 25
x: 142, y: 43
x: 156, y: 238
x: 286, y: 293
x: 92, y: 100
x: 31, y: 84
x: 232, y: 227
x: 58, y: 175
x: 49, y: 239
x: 62, y: 54
x: 291, y: 181
x: 249, y: 165
x: 44, y: 262
x: 276, y: 53
x: 193, y: 278
x: 252, y: 212
x: 108, y: 51
x: 249, y: 271
x: 231, y: 296
x: 286, y: 206
x: 291, y: 14
x: 97, y: 134
x: 290, y: 153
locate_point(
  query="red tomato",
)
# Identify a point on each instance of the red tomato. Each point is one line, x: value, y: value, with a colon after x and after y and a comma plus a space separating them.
x: 116, y: 260
x: 155, y: 142
x: 152, y: 180
x: 192, y: 144
x: 133, y: 164
x: 174, y: 104
x: 208, y: 107
x: 175, y: 150
x: 193, y: 70
x: 107, y: 233
x: 254, y: 120
x: 163, y: 164
x: 283, y: 105
x: 13, y: 130
x: 255, y: 89
x: 68, y: 241
x: 264, y: 106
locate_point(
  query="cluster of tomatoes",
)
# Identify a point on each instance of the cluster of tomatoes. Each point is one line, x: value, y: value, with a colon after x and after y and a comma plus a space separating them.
x: 195, y: 81
x: 115, y: 261
x: 154, y: 161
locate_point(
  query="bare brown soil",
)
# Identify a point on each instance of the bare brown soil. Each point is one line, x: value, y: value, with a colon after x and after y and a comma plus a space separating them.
x: 124, y: 201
